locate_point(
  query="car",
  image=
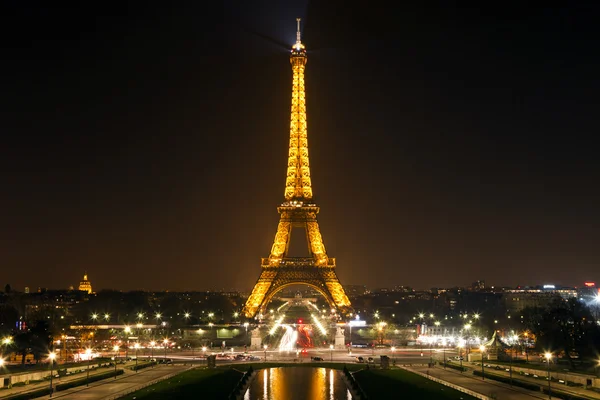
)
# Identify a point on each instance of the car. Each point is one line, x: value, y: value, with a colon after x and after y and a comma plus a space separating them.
x: 359, y: 360
x: 317, y: 358
x: 239, y: 357
x: 253, y: 358
x: 459, y: 358
x: 371, y: 360
x: 165, y: 361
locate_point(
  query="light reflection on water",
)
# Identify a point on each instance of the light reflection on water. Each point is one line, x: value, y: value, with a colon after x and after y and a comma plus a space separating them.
x: 298, y: 383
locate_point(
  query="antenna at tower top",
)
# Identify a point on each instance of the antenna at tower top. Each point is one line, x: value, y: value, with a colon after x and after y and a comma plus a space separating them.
x: 298, y: 31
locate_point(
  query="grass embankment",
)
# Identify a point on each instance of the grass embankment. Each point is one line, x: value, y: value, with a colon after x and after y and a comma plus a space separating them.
x: 389, y: 384
x: 219, y: 382
x: 195, y: 384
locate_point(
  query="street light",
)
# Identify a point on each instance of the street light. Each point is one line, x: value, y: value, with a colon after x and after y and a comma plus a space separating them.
x: 482, y: 348
x: 265, y: 347
x: 127, y: 330
x: 331, y: 352
x: 548, y: 357
x: 89, y: 355
x: 136, y: 346
x: 116, y: 349
x: 152, y: 344
x: 51, y: 356
x: 165, y: 342
x: 393, y: 354
x: 460, y: 357
x: 246, y: 326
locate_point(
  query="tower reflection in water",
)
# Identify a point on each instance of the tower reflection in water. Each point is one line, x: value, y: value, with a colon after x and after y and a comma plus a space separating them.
x: 298, y: 383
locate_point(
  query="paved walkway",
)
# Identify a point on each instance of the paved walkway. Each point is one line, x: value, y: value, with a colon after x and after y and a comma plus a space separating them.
x: 488, y: 387
x: 109, y: 388
x: 40, y: 385
x: 563, y: 388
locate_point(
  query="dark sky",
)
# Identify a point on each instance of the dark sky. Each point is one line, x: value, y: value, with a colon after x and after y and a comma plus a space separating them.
x: 148, y: 145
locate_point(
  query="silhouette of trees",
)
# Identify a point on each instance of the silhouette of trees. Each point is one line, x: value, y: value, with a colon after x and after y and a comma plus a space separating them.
x: 36, y: 340
x: 564, y: 325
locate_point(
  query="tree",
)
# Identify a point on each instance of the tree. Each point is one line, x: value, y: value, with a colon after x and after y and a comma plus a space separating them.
x: 566, y: 325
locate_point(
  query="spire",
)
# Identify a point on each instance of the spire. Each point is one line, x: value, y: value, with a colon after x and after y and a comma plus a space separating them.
x: 298, y: 183
x: 298, y: 31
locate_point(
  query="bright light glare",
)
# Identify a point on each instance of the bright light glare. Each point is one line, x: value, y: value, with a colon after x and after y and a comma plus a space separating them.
x: 289, y: 339
x: 277, y: 324
x: 548, y: 356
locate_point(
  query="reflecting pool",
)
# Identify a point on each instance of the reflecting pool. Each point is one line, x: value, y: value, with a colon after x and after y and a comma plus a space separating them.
x: 298, y: 383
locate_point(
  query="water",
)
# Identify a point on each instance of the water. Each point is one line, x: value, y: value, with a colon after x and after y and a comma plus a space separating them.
x: 298, y: 383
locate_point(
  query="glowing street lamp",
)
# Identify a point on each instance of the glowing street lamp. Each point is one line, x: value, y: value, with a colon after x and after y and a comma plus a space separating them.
x: 165, y: 342
x: 106, y: 317
x: 548, y: 358
x: 482, y: 348
x: 136, y: 346
x: 89, y: 357
x: 152, y: 344
x: 116, y: 349
x: 94, y: 317
x: 51, y: 356
x: 265, y: 347
x: 331, y: 351
x: 186, y: 315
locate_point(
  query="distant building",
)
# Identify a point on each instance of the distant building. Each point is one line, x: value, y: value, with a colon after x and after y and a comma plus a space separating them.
x: 355, y: 290
x: 85, y: 285
x: 518, y: 299
x: 26, y: 289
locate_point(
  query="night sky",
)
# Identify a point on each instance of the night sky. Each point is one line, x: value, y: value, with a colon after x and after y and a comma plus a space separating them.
x: 148, y: 145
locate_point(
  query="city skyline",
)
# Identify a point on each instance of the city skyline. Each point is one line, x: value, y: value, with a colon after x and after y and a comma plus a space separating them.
x: 447, y: 145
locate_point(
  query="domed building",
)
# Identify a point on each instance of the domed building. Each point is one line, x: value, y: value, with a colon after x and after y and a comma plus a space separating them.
x: 85, y: 285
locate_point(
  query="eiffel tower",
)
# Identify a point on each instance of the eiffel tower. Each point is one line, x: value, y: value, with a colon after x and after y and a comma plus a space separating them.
x: 297, y: 211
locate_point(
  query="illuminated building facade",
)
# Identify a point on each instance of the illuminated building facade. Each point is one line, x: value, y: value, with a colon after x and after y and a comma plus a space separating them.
x: 297, y: 211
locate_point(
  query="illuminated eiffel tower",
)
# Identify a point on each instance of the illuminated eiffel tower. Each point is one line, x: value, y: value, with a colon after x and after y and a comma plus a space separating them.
x: 297, y: 211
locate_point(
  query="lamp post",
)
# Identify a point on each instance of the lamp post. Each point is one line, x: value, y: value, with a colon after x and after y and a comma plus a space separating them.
x: 127, y: 331
x: 548, y: 358
x: 136, y: 346
x: 460, y: 357
x: 116, y: 349
x: 51, y: 356
x: 246, y: 326
x: 165, y: 342
x: 482, y: 348
x: 6, y: 342
x: 152, y: 344
x: 89, y: 357
x: 331, y: 352
x: 265, y: 347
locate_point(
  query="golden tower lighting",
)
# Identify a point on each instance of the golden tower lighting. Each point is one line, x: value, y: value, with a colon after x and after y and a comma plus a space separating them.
x: 297, y: 210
